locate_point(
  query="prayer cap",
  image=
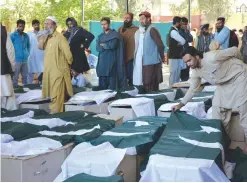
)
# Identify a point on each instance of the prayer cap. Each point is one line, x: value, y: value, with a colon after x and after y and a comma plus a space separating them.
x: 52, y: 19
x: 145, y: 13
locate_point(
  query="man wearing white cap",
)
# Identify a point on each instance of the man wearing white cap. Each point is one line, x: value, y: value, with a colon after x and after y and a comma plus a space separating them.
x: 58, y: 58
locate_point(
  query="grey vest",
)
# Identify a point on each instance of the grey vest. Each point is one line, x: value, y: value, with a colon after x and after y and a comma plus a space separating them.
x: 151, y: 54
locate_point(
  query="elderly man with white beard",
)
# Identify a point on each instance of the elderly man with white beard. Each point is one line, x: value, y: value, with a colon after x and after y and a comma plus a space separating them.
x: 58, y: 58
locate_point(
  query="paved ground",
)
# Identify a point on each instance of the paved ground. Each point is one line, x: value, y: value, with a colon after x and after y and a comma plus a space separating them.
x: 166, y: 76
x: 94, y: 80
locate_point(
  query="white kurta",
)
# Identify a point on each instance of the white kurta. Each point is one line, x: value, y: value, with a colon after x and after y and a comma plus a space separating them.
x: 7, y: 91
x: 137, y: 72
x: 36, y: 57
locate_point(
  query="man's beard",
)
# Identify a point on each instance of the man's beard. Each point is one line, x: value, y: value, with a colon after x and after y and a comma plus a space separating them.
x: 20, y: 31
x: 205, y: 33
x: 49, y: 31
x: 219, y: 29
x: 127, y: 24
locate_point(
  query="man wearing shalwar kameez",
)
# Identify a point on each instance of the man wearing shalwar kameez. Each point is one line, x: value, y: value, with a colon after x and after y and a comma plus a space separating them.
x: 58, y: 58
x: 110, y: 67
x: 220, y: 67
x: 36, y: 57
x: 7, y: 68
x: 149, y: 53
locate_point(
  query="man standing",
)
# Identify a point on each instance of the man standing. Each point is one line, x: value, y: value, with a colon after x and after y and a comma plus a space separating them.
x: 58, y: 58
x: 110, y: 67
x: 176, y: 42
x: 204, y: 39
x: 127, y: 31
x: 36, y: 58
x: 79, y: 39
x: 149, y: 54
x: 22, y: 50
x: 222, y: 33
x: 185, y: 33
x: 230, y: 76
x: 7, y: 68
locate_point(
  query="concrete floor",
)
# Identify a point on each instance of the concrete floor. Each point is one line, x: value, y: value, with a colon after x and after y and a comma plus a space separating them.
x: 166, y: 76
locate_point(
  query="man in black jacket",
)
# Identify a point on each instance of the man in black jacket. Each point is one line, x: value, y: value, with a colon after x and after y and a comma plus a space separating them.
x: 176, y: 43
x: 185, y: 33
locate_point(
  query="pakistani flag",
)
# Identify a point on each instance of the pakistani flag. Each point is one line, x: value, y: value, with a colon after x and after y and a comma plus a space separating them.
x: 89, y: 178
x: 139, y: 134
x: 188, y: 150
x: 74, y: 126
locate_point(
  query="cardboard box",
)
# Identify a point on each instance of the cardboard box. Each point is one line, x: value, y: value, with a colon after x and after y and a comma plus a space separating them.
x: 88, y: 106
x: 127, y: 112
x: 236, y: 131
x: 118, y: 119
x: 39, y: 168
x: 164, y: 114
x: 130, y: 168
x: 43, y: 104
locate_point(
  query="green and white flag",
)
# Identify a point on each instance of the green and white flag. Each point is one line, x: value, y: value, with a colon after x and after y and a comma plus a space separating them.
x: 138, y: 135
x: 188, y: 150
x: 76, y: 126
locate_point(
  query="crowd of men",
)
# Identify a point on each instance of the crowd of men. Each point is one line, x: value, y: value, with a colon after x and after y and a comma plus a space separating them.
x: 131, y: 56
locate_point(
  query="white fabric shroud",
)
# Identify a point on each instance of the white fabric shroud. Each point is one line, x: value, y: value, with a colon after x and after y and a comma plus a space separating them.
x: 101, y: 161
x: 31, y: 95
x: 109, y: 133
x: 210, y: 113
x: 163, y: 168
x: 33, y: 146
x: 196, y: 109
x: 132, y: 92
x: 5, y: 138
x: 98, y: 96
x: 50, y: 122
x: 141, y: 106
x: 170, y: 95
x: 30, y: 114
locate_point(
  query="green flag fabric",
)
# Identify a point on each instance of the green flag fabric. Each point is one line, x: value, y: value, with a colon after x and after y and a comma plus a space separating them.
x: 188, y: 140
x: 141, y: 133
x: 240, y: 159
x: 89, y: 178
x: 81, y: 120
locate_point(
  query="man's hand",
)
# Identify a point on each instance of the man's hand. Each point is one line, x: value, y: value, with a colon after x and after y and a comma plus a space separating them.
x: 177, y: 107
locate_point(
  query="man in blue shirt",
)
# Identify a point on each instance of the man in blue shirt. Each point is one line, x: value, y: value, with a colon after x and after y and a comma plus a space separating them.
x: 22, y: 50
x: 78, y: 80
x: 222, y: 33
x: 92, y: 59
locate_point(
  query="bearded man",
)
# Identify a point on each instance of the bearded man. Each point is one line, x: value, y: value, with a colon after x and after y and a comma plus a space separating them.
x: 127, y: 31
x: 58, y: 58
